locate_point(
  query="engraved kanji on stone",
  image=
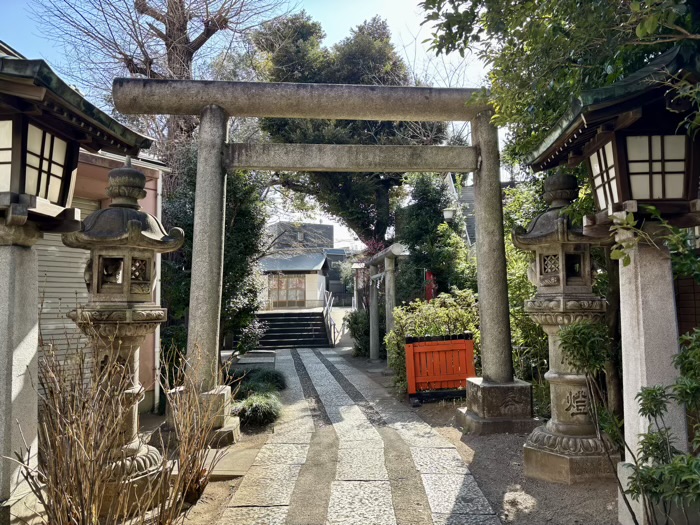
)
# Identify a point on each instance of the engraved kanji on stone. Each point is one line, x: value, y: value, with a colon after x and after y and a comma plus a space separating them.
x: 577, y: 403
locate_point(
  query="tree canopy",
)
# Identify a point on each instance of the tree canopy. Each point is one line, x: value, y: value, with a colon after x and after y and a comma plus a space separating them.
x: 294, y: 51
x: 543, y: 52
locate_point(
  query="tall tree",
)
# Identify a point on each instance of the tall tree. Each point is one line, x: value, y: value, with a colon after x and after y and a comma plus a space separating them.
x: 543, y: 52
x: 161, y: 39
x: 294, y: 50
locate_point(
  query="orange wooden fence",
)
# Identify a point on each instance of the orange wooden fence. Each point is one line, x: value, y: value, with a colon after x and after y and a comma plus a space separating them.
x: 439, y: 363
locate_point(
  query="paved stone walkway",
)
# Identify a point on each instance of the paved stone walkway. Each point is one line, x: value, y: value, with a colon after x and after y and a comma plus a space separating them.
x: 345, y: 452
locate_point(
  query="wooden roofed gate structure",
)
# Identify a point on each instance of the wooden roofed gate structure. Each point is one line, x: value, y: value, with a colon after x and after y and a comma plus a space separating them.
x: 215, y: 101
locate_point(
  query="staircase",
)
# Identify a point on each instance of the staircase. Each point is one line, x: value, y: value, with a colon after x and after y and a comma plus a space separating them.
x: 293, y: 330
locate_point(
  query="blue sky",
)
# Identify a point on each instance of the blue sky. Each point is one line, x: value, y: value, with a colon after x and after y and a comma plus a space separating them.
x: 337, y: 17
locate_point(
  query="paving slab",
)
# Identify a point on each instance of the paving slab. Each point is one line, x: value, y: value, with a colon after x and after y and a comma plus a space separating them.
x: 255, y: 516
x: 438, y: 461
x: 282, y: 454
x: 464, y: 519
x: 266, y: 486
x: 455, y: 494
x: 361, y: 503
x: 360, y: 464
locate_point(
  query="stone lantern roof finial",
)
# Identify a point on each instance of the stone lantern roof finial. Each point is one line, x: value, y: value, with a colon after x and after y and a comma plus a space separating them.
x: 560, y: 190
x: 126, y: 186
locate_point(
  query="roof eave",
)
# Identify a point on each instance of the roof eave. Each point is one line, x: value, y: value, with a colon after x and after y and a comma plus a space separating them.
x: 40, y: 74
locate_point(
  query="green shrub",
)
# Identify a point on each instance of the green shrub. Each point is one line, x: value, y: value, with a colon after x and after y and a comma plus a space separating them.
x: 358, y: 326
x: 268, y: 375
x: 258, y: 409
x: 447, y: 314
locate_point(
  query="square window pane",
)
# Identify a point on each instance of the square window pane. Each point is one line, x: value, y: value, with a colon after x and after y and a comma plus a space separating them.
x: 637, y: 148
x: 609, y: 157
x: 677, y: 167
x: 56, y: 170
x: 31, y: 180
x: 602, y: 202
x: 5, y: 133
x: 674, y: 186
x: 59, y: 151
x: 638, y: 167
x: 42, y: 184
x: 34, y: 136
x: 613, y: 186
x: 5, y: 177
x: 639, y: 184
x: 656, y: 167
x: 674, y: 146
x: 6, y: 155
x: 656, y: 188
x: 656, y: 147
x: 55, y: 190
x: 595, y: 168
x: 32, y: 160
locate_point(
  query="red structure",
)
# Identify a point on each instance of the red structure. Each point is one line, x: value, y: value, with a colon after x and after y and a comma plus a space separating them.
x: 430, y: 286
x: 439, y: 363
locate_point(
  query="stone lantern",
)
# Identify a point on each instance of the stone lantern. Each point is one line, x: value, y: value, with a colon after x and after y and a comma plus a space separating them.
x: 120, y: 276
x: 566, y: 449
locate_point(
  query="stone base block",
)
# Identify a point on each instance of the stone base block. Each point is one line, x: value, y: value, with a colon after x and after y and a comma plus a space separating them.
x: 470, y: 423
x: 219, y: 403
x: 228, y: 434
x: 497, y: 408
x: 141, y: 489
x: 567, y: 468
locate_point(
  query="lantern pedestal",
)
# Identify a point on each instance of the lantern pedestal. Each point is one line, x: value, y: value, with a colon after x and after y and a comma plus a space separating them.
x: 118, y: 333
x: 497, y: 408
x: 19, y: 327
x: 649, y: 343
x: 567, y: 449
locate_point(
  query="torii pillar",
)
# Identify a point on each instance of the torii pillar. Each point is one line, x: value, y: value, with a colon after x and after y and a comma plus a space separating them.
x: 498, y: 402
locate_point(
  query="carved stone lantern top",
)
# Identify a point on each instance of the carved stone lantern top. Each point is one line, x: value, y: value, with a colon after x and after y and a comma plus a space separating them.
x: 552, y: 227
x: 124, y: 223
x: 561, y: 269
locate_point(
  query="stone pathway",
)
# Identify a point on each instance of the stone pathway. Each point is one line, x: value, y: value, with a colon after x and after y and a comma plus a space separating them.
x: 345, y: 452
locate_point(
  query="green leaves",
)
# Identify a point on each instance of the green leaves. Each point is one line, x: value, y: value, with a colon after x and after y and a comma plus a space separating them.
x: 586, y: 346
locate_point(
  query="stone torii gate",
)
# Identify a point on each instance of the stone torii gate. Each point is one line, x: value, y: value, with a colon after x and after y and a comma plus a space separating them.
x: 215, y: 102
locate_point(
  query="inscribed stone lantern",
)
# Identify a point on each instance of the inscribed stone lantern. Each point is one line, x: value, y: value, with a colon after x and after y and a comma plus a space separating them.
x: 120, y: 277
x: 634, y: 138
x: 566, y: 449
x: 43, y: 124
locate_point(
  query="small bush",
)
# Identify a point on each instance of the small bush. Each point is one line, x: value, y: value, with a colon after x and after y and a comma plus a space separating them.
x: 358, y: 326
x: 445, y: 315
x: 250, y: 336
x: 248, y: 388
x: 268, y: 375
x: 258, y: 409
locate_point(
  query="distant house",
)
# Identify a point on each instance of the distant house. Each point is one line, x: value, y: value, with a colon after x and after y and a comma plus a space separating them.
x: 298, y: 271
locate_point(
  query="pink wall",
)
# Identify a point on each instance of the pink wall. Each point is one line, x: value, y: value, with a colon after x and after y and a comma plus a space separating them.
x: 91, y: 183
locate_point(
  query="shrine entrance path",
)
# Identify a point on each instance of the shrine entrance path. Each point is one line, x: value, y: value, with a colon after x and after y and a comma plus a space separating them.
x: 346, y: 452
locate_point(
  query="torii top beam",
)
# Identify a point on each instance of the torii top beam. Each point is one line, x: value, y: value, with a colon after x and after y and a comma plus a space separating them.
x: 287, y: 100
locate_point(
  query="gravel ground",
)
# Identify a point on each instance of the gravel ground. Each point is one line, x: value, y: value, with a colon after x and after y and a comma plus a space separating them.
x: 497, y: 464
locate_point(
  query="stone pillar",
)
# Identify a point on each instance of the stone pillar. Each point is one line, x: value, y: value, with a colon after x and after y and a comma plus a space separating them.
x: 497, y: 402
x: 19, y: 337
x: 373, y: 315
x: 390, y: 291
x: 208, y: 247
x: 649, y: 342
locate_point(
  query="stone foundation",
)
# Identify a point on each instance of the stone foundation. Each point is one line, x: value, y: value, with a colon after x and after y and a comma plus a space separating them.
x: 497, y: 408
x: 567, y: 459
